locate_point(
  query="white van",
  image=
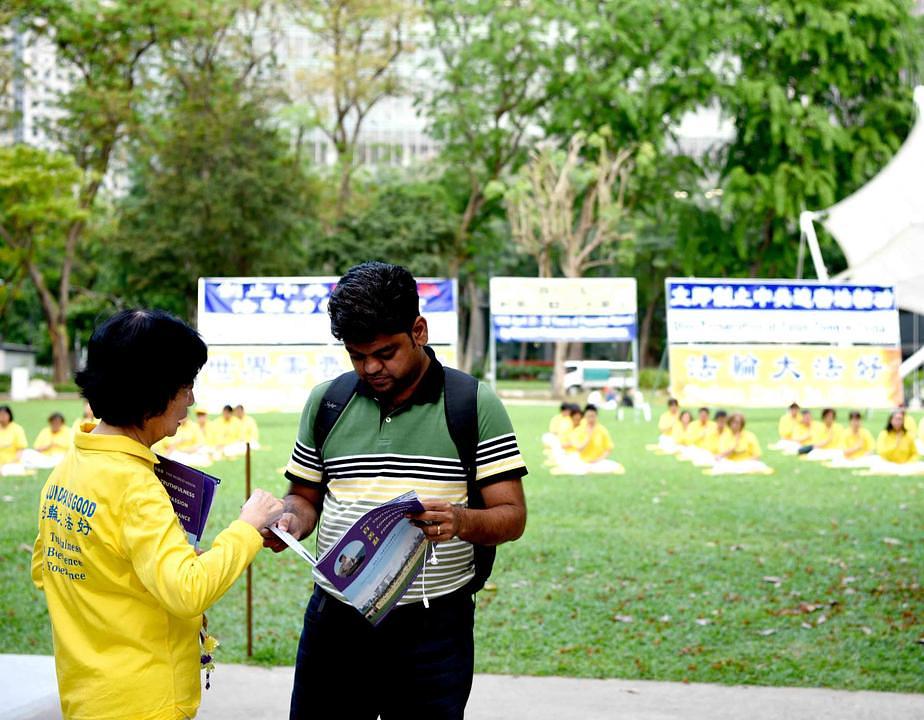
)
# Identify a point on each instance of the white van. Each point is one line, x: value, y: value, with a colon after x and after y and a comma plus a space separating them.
x: 590, y: 374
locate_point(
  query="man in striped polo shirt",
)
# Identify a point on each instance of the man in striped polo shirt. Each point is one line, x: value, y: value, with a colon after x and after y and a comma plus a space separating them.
x: 393, y: 437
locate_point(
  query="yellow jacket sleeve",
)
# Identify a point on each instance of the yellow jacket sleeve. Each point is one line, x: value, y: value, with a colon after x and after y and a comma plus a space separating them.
x: 184, y: 583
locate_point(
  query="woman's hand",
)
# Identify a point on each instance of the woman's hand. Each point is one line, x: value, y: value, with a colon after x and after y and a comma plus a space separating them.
x: 261, y: 509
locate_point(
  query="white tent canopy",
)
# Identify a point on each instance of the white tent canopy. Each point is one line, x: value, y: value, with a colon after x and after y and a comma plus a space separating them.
x: 881, y: 226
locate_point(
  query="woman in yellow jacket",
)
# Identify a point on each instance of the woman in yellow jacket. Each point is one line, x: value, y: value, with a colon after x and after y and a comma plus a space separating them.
x: 739, y: 453
x: 125, y: 589
x: 12, y: 444
x: 895, y: 449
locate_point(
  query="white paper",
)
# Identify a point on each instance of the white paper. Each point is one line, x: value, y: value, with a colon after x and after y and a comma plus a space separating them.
x: 295, y: 545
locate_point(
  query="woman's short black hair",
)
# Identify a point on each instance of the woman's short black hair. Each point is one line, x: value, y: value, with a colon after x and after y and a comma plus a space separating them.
x: 855, y: 414
x: 373, y: 299
x: 56, y: 415
x: 137, y: 361
x: 892, y: 414
x: 8, y: 410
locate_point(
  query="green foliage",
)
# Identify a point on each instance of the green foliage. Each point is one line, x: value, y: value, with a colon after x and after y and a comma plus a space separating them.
x: 653, y: 378
x: 405, y: 222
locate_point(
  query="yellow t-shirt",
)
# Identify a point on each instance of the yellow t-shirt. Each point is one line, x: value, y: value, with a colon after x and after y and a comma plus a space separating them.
x: 697, y: 431
x: 12, y: 442
x: 743, y: 447
x: 911, y: 425
x: 598, y: 446
x: 802, y: 434
x: 713, y: 439
x: 678, y: 432
x: 60, y: 441
x: 221, y: 432
x: 821, y: 433
x: 667, y: 421
x: 862, y: 438
x: 786, y: 425
x: 250, y: 433
x: 189, y: 437
x: 125, y: 589
x: 896, y: 448
x: 558, y: 425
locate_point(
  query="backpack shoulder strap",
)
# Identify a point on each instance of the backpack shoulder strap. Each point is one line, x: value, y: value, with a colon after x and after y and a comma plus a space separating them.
x: 335, y: 399
x: 461, y: 400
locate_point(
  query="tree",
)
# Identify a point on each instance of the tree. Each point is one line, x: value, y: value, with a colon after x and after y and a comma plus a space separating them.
x: 359, y: 44
x: 105, y: 43
x: 491, y: 65
x: 38, y: 201
x: 820, y: 101
x: 413, y: 224
x: 569, y: 210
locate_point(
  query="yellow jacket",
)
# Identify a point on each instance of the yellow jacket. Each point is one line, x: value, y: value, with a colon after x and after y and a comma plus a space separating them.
x: 743, y: 447
x: 713, y: 439
x: 60, y: 441
x: 125, y: 589
x: 189, y: 437
x: 220, y: 432
x: 833, y: 436
x: 896, y: 448
x: 862, y: 438
x: 667, y: 421
x: 786, y: 425
x: 12, y: 442
x: 696, y: 432
x: 598, y: 444
x: 560, y: 424
x: 802, y: 434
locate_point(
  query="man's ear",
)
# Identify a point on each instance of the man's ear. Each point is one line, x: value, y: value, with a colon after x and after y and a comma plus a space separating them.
x: 419, y: 331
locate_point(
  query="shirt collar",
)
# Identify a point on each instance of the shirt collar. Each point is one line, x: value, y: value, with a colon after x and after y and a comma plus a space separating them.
x: 428, y: 390
x: 114, y: 443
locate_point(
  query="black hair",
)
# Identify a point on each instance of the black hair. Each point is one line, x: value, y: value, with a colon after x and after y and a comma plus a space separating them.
x: 576, y: 410
x: 565, y: 406
x: 137, y: 361
x: 703, y: 410
x: 672, y: 402
x: 720, y: 414
x: 794, y: 405
x: 227, y: 408
x: 8, y: 410
x: 589, y: 407
x: 57, y: 415
x: 892, y: 414
x: 372, y: 299
x: 238, y: 406
x: 829, y: 410
x: 687, y: 413
x: 855, y: 414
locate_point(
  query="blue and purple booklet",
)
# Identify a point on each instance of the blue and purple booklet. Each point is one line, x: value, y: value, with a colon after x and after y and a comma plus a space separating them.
x: 191, y: 491
x: 375, y: 561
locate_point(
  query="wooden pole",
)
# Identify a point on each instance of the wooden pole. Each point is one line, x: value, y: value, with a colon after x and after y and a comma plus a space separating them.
x: 249, y: 567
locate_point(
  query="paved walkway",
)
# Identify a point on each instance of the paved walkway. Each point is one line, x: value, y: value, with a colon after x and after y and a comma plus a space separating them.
x: 241, y: 692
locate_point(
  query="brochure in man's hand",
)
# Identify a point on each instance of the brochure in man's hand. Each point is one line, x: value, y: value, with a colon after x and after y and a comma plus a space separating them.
x: 191, y: 491
x: 376, y: 559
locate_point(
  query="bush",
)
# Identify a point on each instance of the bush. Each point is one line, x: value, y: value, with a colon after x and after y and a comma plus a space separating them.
x: 653, y: 379
x: 68, y: 386
x: 517, y: 371
x: 4, y: 383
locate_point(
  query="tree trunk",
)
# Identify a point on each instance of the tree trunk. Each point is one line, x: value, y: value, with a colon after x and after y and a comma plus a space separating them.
x: 645, y: 330
x: 558, y: 374
x: 60, y: 350
x: 475, y: 334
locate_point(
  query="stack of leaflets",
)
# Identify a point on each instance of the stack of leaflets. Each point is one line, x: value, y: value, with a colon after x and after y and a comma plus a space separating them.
x: 191, y: 491
x: 375, y: 561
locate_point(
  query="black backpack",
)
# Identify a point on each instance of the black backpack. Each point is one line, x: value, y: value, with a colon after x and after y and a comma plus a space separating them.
x: 460, y: 398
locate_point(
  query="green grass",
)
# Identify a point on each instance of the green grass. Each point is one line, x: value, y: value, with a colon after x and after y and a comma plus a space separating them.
x: 682, y: 555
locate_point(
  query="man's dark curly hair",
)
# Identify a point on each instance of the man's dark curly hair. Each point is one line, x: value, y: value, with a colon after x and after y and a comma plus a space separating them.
x: 137, y: 361
x: 372, y: 299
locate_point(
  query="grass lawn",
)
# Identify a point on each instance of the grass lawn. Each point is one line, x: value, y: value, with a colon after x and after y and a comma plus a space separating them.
x: 807, y: 577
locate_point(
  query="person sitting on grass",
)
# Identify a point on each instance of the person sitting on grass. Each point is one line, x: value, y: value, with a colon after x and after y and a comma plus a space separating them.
x: 12, y: 444
x: 739, y: 453
x: 827, y: 438
x: 694, y: 433
x: 51, y: 445
x: 684, y: 433
x: 857, y: 445
x: 563, y: 446
x: 666, y: 422
x: 558, y: 426
x: 801, y: 434
x: 226, y: 434
x: 705, y: 452
x: 896, y: 453
x: 786, y: 426
x: 590, y: 447
x: 250, y: 433
x: 188, y: 446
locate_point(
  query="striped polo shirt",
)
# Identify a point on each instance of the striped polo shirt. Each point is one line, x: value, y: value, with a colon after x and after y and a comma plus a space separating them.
x: 370, y: 458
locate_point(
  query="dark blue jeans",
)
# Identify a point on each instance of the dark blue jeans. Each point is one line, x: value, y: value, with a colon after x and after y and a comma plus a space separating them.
x: 417, y: 663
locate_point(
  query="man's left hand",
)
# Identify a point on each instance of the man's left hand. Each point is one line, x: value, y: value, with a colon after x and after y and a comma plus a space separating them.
x: 440, y: 520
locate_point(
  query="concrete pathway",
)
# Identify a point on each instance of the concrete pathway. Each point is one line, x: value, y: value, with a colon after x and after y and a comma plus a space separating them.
x: 241, y: 692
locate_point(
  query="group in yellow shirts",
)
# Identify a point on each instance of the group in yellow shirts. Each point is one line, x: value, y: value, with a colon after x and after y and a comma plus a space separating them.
x: 577, y: 444
x: 50, y: 446
x: 201, y: 441
x: 722, y: 445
